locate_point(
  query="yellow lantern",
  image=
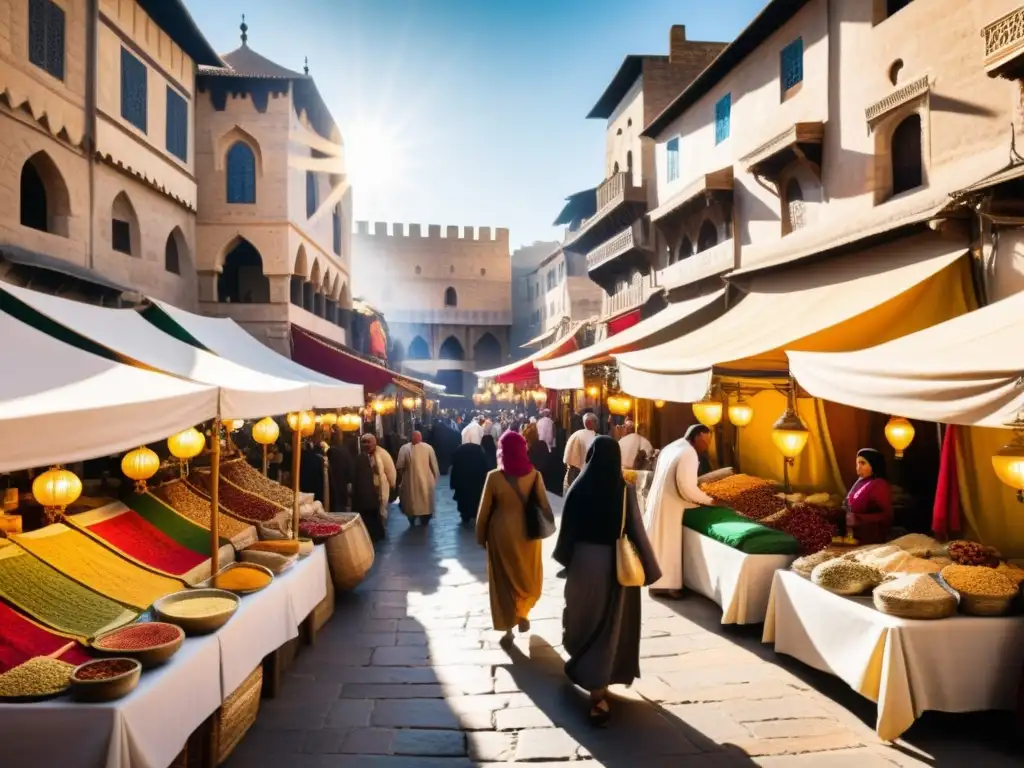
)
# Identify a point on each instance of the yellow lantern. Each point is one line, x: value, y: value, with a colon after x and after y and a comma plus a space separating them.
x: 540, y: 396
x: 417, y: 403
x: 379, y: 406
x: 1009, y: 460
x: 620, y: 405
x: 329, y: 419
x: 140, y: 465
x: 495, y: 388
x: 187, y: 444
x: 708, y: 412
x: 55, y: 490
x: 265, y: 431
x: 234, y: 425
x: 659, y: 403
x: 593, y: 391
x: 741, y: 413
x: 790, y: 435
x: 408, y: 403
x: 900, y: 433
x: 302, y: 422
x: 349, y: 422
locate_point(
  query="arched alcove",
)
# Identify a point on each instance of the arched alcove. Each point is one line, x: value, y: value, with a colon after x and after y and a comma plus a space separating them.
x: 418, y: 349
x: 44, y: 199
x: 175, y: 252
x: 451, y: 298
x: 241, y: 280
x: 487, y: 352
x: 124, y: 227
x: 708, y: 236
x: 452, y: 349
x: 907, y: 159
x: 241, y: 174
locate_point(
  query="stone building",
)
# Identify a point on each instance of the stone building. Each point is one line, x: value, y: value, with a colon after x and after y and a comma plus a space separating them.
x: 525, y: 261
x: 274, y: 224
x: 620, y: 248
x: 559, y: 295
x: 97, y: 192
x: 448, y: 300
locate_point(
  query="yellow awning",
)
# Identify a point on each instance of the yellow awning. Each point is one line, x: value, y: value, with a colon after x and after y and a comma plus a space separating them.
x: 806, y: 309
x: 566, y: 372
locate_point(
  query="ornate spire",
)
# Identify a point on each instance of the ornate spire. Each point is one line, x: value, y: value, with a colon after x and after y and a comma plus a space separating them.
x: 245, y: 28
x: 305, y: 67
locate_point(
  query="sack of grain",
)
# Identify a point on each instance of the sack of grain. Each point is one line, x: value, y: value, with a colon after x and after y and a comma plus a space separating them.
x: 846, y: 577
x: 716, y: 474
x: 919, y: 545
x: 804, y: 565
x: 983, y: 590
x: 914, y: 596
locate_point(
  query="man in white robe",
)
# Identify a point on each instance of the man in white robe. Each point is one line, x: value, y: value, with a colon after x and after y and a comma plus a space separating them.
x: 674, y: 489
x: 632, y: 443
x: 546, y: 428
x: 474, y: 431
x: 576, y: 448
x: 418, y: 473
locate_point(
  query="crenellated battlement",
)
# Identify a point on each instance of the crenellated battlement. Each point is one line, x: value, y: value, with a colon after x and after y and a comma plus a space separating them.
x: 379, y: 229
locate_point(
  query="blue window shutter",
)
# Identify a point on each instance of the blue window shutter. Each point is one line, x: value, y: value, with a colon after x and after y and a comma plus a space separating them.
x: 791, y: 65
x: 46, y: 36
x: 134, y: 90
x: 723, y: 114
x: 177, y: 125
x: 672, y: 159
x: 241, y: 173
x: 337, y: 229
x: 311, y: 197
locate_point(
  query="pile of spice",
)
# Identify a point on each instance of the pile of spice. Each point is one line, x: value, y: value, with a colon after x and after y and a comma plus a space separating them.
x: 248, y: 478
x: 36, y: 677
x: 752, y: 497
x: 804, y: 565
x: 805, y: 525
x: 184, y: 531
x: 139, y: 540
x: 90, y: 563
x: 978, y: 581
x: 138, y: 637
x: 104, y: 669
x: 277, y: 546
x: 317, y: 529
x: 199, y: 607
x: 1012, y: 572
x: 846, y: 577
x: 187, y: 503
x: 914, y: 596
x: 238, y: 502
x: 242, y: 579
x: 919, y: 545
x: 22, y: 639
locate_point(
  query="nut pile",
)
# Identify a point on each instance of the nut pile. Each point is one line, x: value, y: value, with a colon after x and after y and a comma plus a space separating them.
x: 190, y: 504
x: 240, y: 503
x: 978, y: 581
x: 972, y: 553
x: 753, y: 497
x: 248, y: 478
x: 40, y: 676
x: 846, y: 577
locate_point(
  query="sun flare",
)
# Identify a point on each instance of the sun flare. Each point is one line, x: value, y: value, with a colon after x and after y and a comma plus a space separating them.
x: 377, y: 158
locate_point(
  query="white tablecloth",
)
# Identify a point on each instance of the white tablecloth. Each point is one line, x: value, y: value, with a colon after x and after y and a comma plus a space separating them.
x: 738, y: 582
x: 307, y: 583
x: 959, y: 664
x: 146, y: 729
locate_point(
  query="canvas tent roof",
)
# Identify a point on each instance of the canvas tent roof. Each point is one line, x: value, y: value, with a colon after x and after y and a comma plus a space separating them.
x: 229, y: 340
x: 244, y: 393
x: 59, y: 404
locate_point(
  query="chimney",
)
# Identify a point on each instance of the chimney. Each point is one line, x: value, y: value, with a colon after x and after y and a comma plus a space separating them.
x: 676, y: 41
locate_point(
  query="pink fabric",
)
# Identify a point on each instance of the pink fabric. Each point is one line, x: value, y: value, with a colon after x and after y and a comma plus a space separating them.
x: 946, y: 511
x: 512, y: 455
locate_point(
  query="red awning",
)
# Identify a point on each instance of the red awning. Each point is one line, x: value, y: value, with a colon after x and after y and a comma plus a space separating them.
x: 624, y: 321
x: 330, y: 359
x: 524, y: 371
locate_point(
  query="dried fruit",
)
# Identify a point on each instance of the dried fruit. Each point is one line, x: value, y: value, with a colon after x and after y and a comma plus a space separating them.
x: 972, y: 553
x: 978, y: 581
x: 317, y: 530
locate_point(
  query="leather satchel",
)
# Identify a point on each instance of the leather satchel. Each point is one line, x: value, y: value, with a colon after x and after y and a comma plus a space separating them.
x: 628, y: 568
x: 540, y: 524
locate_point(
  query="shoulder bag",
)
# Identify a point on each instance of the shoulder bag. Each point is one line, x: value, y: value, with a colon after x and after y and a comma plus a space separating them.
x: 628, y: 568
x: 540, y: 524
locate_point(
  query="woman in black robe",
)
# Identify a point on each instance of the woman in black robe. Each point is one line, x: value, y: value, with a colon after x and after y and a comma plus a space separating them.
x: 341, y: 465
x: 490, y: 451
x: 601, y: 620
x: 311, y: 471
x: 468, y: 474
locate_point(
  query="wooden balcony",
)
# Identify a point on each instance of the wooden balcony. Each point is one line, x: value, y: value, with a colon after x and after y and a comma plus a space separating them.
x: 1004, y: 46
x: 625, y: 252
x: 619, y: 203
x: 716, y: 260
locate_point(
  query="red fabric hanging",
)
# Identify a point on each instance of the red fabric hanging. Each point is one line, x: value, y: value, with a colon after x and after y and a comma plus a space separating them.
x: 946, y: 512
x: 622, y: 322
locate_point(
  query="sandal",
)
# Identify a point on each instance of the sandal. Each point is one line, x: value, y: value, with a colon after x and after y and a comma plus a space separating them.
x: 600, y: 713
x: 507, y: 638
x: 524, y: 626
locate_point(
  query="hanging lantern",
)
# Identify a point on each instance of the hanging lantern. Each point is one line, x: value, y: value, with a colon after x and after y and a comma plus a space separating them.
x: 303, y: 422
x: 140, y: 465
x: 900, y: 433
x: 708, y: 411
x: 741, y: 413
x: 593, y: 391
x: 317, y: 419
x: 233, y: 425
x: 540, y: 396
x: 329, y: 419
x: 620, y: 405
x: 265, y: 431
x: 1009, y: 460
x: 789, y: 434
x: 477, y: 398
x: 417, y: 403
x: 495, y: 388
x: 187, y: 444
x: 349, y: 422
x: 659, y: 403
x: 409, y: 403
x: 55, y: 490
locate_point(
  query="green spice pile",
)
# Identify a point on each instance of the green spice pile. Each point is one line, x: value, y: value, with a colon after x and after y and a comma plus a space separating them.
x: 41, y: 676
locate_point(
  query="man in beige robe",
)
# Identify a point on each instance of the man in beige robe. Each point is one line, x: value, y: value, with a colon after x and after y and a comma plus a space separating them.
x: 418, y: 473
x: 576, y: 448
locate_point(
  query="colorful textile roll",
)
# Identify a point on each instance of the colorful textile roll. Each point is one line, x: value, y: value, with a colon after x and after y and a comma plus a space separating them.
x: 186, y: 502
x: 22, y: 639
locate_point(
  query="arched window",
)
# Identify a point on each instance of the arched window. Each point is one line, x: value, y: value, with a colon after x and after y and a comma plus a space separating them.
x: 241, y: 280
x: 44, y: 201
x: 707, y: 237
x: 336, y: 228
x: 451, y: 298
x: 452, y: 349
x: 907, y: 170
x: 312, y: 201
x: 241, y: 173
x: 34, y: 207
x: 124, y: 227
x: 629, y: 161
x: 487, y: 352
x: 685, y: 249
x: 796, y: 207
x: 418, y: 350
x: 172, y: 256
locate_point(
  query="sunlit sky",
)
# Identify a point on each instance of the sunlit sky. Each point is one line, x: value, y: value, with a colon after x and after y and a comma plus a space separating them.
x: 466, y: 112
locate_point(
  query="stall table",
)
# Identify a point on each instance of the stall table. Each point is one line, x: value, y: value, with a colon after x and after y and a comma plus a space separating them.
x: 958, y: 664
x: 739, y: 582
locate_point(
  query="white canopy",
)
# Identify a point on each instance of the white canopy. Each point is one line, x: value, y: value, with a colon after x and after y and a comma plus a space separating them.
x: 525, y: 368
x: 780, y: 308
x: 566, y: 372
x: 229, y: 340
x: 967, y: 370
x: 60, y: 405
x: 244, y: 393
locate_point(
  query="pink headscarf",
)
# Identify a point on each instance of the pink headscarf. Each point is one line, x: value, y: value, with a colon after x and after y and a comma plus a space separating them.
x: 512, y: 456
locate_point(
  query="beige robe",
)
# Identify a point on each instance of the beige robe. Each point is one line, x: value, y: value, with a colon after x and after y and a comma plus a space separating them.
x: 673, y: 490
x: 417, y: 466
x: 388, y: 478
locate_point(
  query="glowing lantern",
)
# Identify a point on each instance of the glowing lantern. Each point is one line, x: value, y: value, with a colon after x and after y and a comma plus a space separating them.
x: 233, y: 425
x: 620, y: 405
x: 1009, y: 460
x: 418, y: 402
x: 379, y: 406
x: 302, y: 422
x: 540, y: 396
x: 140, y: 465
x: 265, y: 431
x: 790, y: 435
x: 349, y: 422
x: 495, y: 388
x: 477, y: 398
x: 708, y: 412
x: 741, y: 413
x: 329, y: 419
x: 56, y: 489
x: 900, y: 433
x: 659, y: 403
x: 186, y: 445
x: 593, y: 391
x: 408, y: 403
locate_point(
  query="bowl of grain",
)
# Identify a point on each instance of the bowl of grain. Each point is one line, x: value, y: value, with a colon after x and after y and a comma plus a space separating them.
x: 846, y: 577
x: 37, y: 679
x: 915, y: 596
x: 983, y: 591
x: 241, y: 578
x: 150, y: 643
x: 105, y: 679
x: 197, y: 611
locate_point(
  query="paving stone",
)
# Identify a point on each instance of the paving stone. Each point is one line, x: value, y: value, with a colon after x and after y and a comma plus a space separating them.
x: 411, y: 638
x: 323, y: 741
x: 294, y: 715
x: 386, y: 691
x: 349, y: 713
x: 786, y: 708
x: 490, y: 746
x: 414, y: 713
x: 516, y: 719
x: 546, y: 744
x: 709, y: 721
x: 367, y: 741
x: 429, y: 743
x: 388, y: 613
x: 400, y: 656
x: 804, y: 726
x: 371, y: 639
x: 852, y: 758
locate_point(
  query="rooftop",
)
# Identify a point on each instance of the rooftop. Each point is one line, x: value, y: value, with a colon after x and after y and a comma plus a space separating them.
x: 173, y: 18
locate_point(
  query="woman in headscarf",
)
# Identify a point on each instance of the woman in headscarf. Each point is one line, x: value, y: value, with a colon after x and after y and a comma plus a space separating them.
x: 601, y: 620
x: 468, y: 473
x: 868, y: 505
x: 514, y: 572
x: 490, y: 451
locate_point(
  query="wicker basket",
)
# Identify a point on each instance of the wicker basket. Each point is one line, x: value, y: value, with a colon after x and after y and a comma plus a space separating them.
x: 350, y: 552
x: 236, y: 716
x: 914, y: 609
x: 983, y: 605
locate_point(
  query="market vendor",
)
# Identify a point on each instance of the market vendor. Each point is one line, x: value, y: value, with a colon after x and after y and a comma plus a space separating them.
x: 868, y: 505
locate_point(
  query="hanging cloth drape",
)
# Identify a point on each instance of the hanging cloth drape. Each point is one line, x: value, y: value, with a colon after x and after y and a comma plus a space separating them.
x: 946, y: 512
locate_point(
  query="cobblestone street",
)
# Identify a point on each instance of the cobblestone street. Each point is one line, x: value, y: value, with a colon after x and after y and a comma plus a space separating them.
x: 409, y: 673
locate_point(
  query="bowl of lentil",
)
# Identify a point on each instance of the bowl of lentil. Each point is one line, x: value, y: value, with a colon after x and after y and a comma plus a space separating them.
x: 241, y: 578
x: 37, y: 679
x: 150, y: 643
x: 197, y: 611
x: 983, y: 591
x: 105, y: 679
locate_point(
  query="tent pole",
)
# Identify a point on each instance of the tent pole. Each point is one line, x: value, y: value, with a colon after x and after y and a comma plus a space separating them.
x: 264, y: 460
x: 215, y: 500
x: 296, y: 450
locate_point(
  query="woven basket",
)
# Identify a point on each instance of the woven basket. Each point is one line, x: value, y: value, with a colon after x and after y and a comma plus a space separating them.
x: 914, y: 609
x: 236, y: 716
x: 350, y: 552
x: 982, y: 605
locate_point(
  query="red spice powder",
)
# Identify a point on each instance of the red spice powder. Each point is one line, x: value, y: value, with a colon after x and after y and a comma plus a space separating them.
x: 22, y: 639
x: 101, y: 670
x: 132, y: 534
x: 318, y: 530
x: 137, y: 636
